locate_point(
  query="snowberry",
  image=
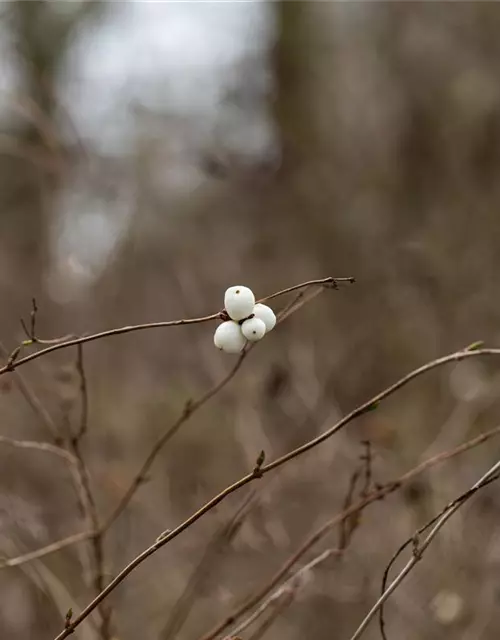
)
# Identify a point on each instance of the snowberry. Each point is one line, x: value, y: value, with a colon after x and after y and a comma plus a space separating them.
x: 253, y: 329
x: 266, y: 314
x: 239, y: 302
x: 229, y: 337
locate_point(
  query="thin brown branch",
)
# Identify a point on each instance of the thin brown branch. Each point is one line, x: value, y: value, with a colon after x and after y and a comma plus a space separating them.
x: 323, y: 282
x: 367, y: 406
x: 14, y: 361
x: 344, y: 516
x: 87, y: 498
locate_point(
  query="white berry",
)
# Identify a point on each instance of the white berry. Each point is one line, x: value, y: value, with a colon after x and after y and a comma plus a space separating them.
x: 239, y: 302
x: 229, y: 338
x: 266, y: 314
x: 253, y: 329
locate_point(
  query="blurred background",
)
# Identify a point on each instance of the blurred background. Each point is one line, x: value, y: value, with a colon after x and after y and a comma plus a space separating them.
x: 152, y: 154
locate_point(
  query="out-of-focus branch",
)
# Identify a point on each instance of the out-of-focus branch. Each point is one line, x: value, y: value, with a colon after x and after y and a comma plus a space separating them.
x: 210, y: 559
x: 40, y: 446
x: 47, y: 550
x: 285, y: 601
x: 420, y: 547
x: 33, y: 401
x: 260, y: 469
x: 287, y: 588
x: 14, y: 361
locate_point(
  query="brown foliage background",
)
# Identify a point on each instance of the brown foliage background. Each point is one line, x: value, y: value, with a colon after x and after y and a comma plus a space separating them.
x: 382, y: 162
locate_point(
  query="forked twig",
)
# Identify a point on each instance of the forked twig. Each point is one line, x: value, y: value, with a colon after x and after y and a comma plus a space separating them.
x: 420, y: 547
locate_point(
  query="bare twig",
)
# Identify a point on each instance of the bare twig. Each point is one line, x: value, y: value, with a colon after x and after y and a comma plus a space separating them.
x: 14, y: 361
x: 419, y: 548
x: 362, y: 409
x: 324, y: 282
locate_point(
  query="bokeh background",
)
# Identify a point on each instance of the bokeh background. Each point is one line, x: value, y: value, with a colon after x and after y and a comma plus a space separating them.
x: 152, y: 154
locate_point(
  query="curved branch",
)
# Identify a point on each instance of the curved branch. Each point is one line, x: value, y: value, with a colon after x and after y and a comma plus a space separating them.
x: 260, y: 470
x: 40, y: 446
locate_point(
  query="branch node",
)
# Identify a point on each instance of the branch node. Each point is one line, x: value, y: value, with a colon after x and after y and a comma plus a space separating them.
x: 67, y: 619
x: 12, y: 358
x: 188, y: 408
x: 416, y: 551
x: 163, y: 535
x: 257, y: 470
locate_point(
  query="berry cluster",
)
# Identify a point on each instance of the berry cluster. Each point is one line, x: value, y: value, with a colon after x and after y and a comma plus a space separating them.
x: 249, y: 321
